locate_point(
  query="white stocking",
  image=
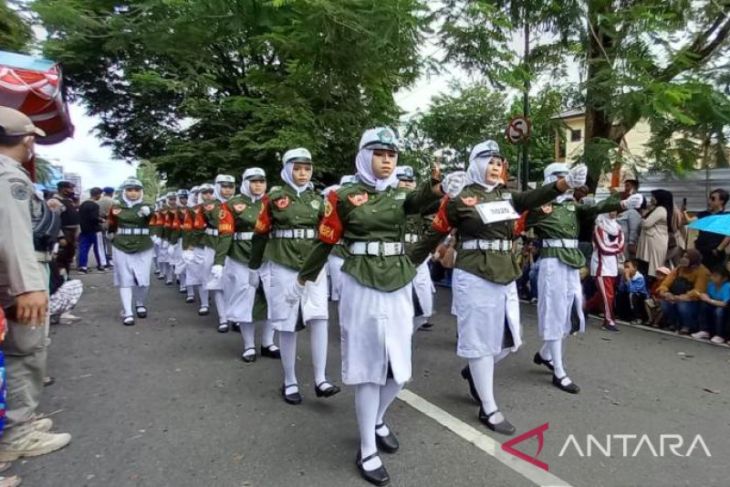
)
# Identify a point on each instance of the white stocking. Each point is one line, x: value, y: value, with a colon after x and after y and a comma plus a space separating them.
x: 140, y: 295
x: 367, y: 402
x: 247, y: 333
x: 388, y: 393
x: 220, y: 306
x: 267, y: 335
x: 204, y: 296
x: 556, y: 351
x: 190, y: 291
x: 126, y: 294
x: 545, y: 352
x: 482, y: 372
x: 288, y: 344
x: 318, y: 339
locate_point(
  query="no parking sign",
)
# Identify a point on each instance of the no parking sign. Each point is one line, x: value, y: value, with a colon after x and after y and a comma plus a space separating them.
x: 518, y: 130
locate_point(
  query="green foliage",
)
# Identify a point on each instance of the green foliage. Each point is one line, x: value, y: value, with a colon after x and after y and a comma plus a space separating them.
x: 203, y: 86
x: 15, y: 33
x: 147, y: 174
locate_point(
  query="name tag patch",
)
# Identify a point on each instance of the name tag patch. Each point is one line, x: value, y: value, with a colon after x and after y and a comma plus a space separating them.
x: 496, y: 211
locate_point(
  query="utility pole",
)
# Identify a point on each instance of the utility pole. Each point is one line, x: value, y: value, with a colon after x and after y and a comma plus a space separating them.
x: 524, y: 170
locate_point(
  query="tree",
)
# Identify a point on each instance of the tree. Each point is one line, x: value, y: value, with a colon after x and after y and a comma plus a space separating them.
x: 15, y: 33
x: 218, y: 85
x: 151, y: 184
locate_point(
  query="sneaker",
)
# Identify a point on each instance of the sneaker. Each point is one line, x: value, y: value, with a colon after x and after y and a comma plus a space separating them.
x: 609, y: 327
x: 717, y: 339
x: 101, y: 269
x: 12, y: 481
x: 44, y: 424
x: 32, y: 444
x: 83, y: 270
x: 684, y: 331
x: 700, y: 335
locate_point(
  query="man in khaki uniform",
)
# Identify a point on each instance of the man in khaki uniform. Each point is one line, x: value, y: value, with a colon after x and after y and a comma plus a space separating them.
x: 23, y: 296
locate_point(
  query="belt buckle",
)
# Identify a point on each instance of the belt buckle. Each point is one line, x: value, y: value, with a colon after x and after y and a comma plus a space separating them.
x: 372, y: 248
x: 298, y: 233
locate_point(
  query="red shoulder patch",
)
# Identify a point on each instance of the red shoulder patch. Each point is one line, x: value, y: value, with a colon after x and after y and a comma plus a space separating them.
x: 358, y: 199
x: 282, y: 203
x: 469, y: 200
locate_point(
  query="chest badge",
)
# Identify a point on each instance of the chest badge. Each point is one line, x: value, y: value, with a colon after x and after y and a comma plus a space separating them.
x: 315, y: 204
x: 209, y: 207
x: 282, y: 203
x: 358, y: 199
x: 239, y: 207
x: 116, y: 211
x: 469, y: 200
x: 547, y: 209
x: 570, y: 206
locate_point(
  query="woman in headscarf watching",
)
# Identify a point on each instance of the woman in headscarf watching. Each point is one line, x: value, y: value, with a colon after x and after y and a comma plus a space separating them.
x: 656, y: 226
x: 376, y: 307
x: 286, y: 231
x: 131, y: 249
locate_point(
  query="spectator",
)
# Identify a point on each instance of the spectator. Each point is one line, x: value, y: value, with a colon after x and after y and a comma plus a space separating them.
x: 652, y: 305
x: 23, y: 293
x: 608, y: 243
x: 656, y: 226
x: 91, y: 234
x: 105, y: 205
x: 632, y: 295
x: 712, y: 245
x: 69, y: 224
x: 714, y: 307
x: 681, y: 290
x: 630, y: 220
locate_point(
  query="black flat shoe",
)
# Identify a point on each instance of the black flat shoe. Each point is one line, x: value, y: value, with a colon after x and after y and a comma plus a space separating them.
x: 204, y: 311
x: 388, y: 443
x: 293, y: 398
x: 504, y: 428
x: 567, y: 386
x: 128, y: 321
x: 272, y: 351
x: 379, y: 476
x: 250, y: 357
x: 538, y: 360
x: 327, y: 391
x: 141, y: 312
x: 466, y: 374
x: 235, y: 326
x: 189, y: 299
x: 426, y: 326
x: 223, y: 328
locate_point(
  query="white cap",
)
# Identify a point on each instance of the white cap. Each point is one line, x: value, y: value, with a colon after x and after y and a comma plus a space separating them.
x: 206, y: 187
x: 195, y: 189
x: 132, y: 183
x: 254, y: 173
x: 225, y: 178
x: 348, y: 179
x: 171, y: 195
x: 555, y: 168
x: 379, y: 138
x: 299, y: 154
x: 405, y: 173
x: 488, y: 148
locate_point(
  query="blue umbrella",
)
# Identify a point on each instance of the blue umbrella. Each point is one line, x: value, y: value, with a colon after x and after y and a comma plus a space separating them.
x: 713, y: 224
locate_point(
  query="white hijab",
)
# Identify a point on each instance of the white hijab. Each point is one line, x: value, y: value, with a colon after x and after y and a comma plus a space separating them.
x: 287, y: 175
x: 217, y: 193
x: 192, y: 199
x: 476, y: 172
x: 246, y: 190
x: 609, y: 225
x: 364, y: 165
x: 131, y: 203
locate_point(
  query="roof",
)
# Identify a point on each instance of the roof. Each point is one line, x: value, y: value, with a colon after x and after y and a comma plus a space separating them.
x: 572, y: 113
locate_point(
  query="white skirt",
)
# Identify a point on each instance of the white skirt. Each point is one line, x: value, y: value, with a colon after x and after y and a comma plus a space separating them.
x: 238, y: 294
x: 205, y: 267
x: 163, y: 257
x: 482, y: 309
x: 194, y: 270
x: 558, y: 293
x: 177, y: 260
x: 424, y: 290
x: 376, y: 330
x: 334, y: 270
x: 283, y: 316
x: 132, y: 269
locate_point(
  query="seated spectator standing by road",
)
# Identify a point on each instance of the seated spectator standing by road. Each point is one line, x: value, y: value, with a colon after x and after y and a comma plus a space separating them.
x: 656, y: 226
x: 608, y: 244
x: 91, y: 234
x: 632, y: 294
x: 681, y: 290
x: 630, y: 220
x: 712, y: 245
x: 714, y: 307
x: 653, y: 304
x: 69, y: 224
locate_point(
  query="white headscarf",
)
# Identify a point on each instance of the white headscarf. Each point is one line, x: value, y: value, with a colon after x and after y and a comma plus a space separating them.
x: 246, y: 184
x: 131, y: 203
x: 476, y: 172
x: 287, y: 175
x: 364, y: 165
x: 192, y: 199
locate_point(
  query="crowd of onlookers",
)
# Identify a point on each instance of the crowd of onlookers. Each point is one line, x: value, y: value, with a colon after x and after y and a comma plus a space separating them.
x: 644, y: 267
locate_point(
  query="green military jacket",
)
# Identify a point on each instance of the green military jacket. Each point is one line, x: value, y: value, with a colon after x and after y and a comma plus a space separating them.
x: 282, y: 209
x: 562, y: 221
x: 192, y: 234
x: 126, y: 217
x: 359, y: 213
x: 245, y: 213
x: 461, y: 213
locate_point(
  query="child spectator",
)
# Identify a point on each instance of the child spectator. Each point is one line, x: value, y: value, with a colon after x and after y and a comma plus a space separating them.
x: 714, y: 307
x: 680, y: 292
x: 632, y: 295
x: 608, y: 244
x: 653, y: 310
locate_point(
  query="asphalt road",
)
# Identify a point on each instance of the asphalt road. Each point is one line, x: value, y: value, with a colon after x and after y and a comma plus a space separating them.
x: 168, y: 402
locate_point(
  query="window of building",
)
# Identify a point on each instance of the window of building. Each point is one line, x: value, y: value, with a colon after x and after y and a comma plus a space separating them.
x: 575, y: 135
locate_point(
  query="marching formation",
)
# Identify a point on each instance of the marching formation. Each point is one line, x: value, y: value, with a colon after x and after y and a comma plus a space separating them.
x: 275, y: 258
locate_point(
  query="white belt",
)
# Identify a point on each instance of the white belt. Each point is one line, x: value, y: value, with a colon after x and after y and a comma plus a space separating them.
x: 243, y: 236
x: 480, y: 244
x: 560, y: 243
x: 412, y: 238
x: 133, y: 231
x: 213, y: 232
x: 376, y: 248
x: 295, y: 233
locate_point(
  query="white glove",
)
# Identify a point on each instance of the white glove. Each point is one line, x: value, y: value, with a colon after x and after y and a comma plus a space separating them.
x: 156, y: 240
x: 216, y: 272
x: 188, y: 256
x: 577, y: 176
x: 253, y: 279
x: 294, y: 293
x: 453, y: 183
x: 633, y: 202
x: 144, y: 211
x: 171, y: 249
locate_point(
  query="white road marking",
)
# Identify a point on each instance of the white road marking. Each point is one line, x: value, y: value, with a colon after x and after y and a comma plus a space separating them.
x: 481, y: 441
